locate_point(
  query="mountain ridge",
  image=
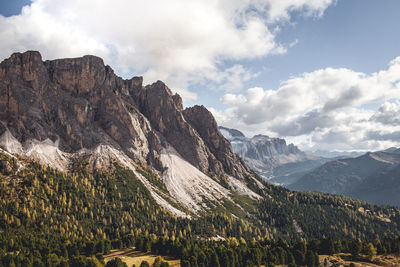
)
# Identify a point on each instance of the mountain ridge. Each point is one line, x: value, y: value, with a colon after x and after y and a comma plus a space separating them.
x: 272, y: 158
x: 59, y: 109
x: 371, y: 177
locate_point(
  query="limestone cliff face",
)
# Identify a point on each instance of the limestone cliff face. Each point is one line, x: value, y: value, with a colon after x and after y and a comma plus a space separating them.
x: 80, y: 104
x: 265, y: 154
x: 261, y: 147
x: 222, y: 159
x: 164, y: 111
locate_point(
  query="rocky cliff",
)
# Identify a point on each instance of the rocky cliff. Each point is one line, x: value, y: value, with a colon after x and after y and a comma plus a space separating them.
x: 272, y: 158
x: 59, y: 109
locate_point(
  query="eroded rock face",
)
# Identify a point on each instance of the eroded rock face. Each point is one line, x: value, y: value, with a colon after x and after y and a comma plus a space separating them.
x: 272, y: 158
x: 81, y: 103
x: 204, y: 123
x: 78, y: 101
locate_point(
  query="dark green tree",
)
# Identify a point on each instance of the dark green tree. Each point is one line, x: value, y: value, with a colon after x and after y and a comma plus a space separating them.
x: 116, y: 262
x: 144, y: 264
x: 355, y: 247
x: 214, y: 260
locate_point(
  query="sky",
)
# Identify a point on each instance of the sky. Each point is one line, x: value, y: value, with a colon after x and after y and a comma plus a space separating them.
x: 323, y: 74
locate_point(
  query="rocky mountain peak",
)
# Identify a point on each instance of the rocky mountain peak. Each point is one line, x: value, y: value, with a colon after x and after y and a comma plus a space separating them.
x: 32, y: 58
x: 204, y: 123
x: 78, y: 76
x: 230, y: 133
x: 178, y: 101
x: 262, y: 136
x: 61, y: 108
x: 266, y: 154
x: 28, y: 66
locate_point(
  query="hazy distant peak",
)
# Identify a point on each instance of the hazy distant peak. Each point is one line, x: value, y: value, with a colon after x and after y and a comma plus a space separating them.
x: 230, y: 133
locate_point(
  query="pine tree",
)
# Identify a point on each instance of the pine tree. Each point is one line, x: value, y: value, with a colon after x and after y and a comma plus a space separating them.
x: 214, y: 260
x: 371, y: 251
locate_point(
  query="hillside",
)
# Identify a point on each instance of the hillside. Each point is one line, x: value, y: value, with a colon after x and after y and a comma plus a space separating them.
x: 379, y: 188
x: 84, y: 213
x: 373, y: 177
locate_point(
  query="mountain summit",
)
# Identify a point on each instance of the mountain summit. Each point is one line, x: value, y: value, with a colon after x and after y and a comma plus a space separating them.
x: 59, y: 110
x: 272, y: 158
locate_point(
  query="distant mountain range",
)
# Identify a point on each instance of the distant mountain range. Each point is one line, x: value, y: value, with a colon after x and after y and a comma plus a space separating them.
x: 335, y: 154
x: 374, y: 177
x: 272, y: 158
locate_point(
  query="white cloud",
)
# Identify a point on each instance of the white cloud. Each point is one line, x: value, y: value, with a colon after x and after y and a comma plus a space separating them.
x: 177, y: 41
x: 230, y: 79
x: 280, y: 8
x: 388, y: 114
x: 325, y: 105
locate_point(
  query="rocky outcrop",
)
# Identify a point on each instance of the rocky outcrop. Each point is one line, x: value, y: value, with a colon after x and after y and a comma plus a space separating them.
x: 158, y: 104
x: 80, y: 103
x: 272, y: 158
x: 204, y: 123
x: 261, y: 148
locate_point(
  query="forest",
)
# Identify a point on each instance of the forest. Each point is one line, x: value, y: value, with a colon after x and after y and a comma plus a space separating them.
x: 54, y: 218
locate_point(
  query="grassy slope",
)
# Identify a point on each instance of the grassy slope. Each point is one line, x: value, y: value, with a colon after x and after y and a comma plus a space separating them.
x: 131, y: 256
x: 345, y: 259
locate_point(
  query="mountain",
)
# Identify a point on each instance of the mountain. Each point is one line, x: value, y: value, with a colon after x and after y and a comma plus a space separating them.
x: 335, y: 154
x: 272, y: 158
x: 374, y: 177
x: 88, y: 156
x: 60, y: 110
x: 394, y: 150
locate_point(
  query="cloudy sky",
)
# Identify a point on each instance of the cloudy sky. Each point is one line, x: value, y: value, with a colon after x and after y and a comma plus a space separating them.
x: 323, y: 74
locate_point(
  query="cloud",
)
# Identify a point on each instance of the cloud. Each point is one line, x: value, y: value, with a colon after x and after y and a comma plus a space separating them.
x: 280, y: 9
x: 324, y: 90
x: 304, y: 124
x: 180, y: 42
x: 388, y: 114
x: 230, y: 79
x: 326, y: 106
x: 376, y: 135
